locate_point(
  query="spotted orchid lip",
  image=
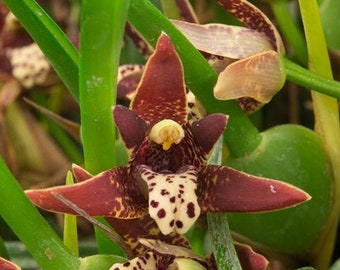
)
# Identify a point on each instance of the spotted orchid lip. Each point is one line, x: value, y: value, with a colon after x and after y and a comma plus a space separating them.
x: 173, y: 201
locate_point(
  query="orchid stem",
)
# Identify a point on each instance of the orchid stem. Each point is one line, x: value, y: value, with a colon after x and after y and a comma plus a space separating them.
x: 223, y: 244
x: 311, y: 80
x: 170, y: 9
x: 326, y: 123
x: 102, y: 27
x: 70, y: 236
x: 289, y: 29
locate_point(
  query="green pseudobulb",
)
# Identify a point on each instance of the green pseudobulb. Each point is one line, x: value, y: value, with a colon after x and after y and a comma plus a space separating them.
x: 292, y: 154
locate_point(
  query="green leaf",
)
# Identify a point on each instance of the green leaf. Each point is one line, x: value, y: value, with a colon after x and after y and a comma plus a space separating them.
x: 70, y: 225
x: 223, y: 244
x: 39, y: 238
x: 100, y: 262
x: 102, y: 27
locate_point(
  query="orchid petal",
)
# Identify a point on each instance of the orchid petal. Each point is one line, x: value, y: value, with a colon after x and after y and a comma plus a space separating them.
x: 172, y: 198
x: 207, y: 130
x: 29, y: 65
x: 166, y: 249
x: 163, y: 256
x: 131, y: 127
x: 145, y: 262
x: 128, y: 79
x: 254, y: 18
x: 7, y: 265
x: 249, y: 259
x: 223, y: 189
x: 259, y: 77
x: 224, y: 40
x: 140, y: 42
x: 186, y: 11
x: 196, y: 110
x: 184, y: 264
x: 80, y: 174
x: 249, y: 105
x: 161, y: 92
x: 105, y: 194
x: 145, y: 227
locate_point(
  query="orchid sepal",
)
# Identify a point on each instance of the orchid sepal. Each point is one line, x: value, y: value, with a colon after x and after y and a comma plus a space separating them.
x: 250, y: 78
x: 224, y: 189
x: 101, y: 195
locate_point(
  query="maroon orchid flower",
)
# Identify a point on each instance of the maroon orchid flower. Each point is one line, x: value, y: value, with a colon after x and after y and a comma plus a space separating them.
x: 21, y: 58
x: 161, y: 255
x: 242, y: 55
x: 167, y: 176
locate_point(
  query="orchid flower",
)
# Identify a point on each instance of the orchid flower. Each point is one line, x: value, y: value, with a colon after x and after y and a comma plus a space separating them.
x: 167, y: 250
x: 249, y: 59
x: 167, y: 177
x: 21, y: 58
x: 161, y: 255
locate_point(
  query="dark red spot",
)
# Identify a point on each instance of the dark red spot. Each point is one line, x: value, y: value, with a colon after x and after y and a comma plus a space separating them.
x: 172, y: 222
x: 172, y: 199
x: 164, y: 192
x: 191, y: 210
x: 161, y: 213
x: 154, y: 204
x: 179, y: 224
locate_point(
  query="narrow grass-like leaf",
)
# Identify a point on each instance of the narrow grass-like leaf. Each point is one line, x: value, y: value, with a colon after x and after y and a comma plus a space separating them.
x: 326, y: 122
x: 102, y: 27
x: 223, y: 245
x: 31, y: 228
x: 70, y: 225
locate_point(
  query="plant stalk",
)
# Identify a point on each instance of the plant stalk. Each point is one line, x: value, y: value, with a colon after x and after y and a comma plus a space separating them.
x: 102, y: 27
x: 326, y: 123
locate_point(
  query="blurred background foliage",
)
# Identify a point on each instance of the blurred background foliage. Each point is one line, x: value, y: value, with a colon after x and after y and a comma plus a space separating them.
x: 39, y: 152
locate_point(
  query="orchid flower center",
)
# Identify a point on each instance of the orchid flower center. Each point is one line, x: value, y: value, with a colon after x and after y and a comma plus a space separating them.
x: 166, y: 133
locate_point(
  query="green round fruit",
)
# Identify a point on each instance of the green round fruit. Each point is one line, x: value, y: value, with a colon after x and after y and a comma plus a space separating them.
x: 295, y: 155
